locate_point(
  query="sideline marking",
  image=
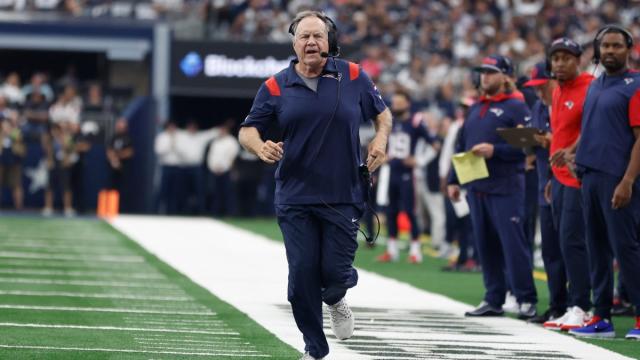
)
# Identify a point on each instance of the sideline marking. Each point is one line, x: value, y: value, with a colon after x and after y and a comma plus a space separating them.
x: 33, y: 347
x: 117, y: 328
x: 110, y: 310
x: 97, y: 296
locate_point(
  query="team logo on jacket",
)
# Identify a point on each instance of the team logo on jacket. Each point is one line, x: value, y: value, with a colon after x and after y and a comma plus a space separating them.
x: 527, y: 118
x: 628, y: 81
x: 569, y: 104
x: 497, y: 111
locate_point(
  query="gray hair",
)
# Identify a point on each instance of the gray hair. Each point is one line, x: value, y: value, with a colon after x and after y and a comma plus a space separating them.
x: 305, y: 14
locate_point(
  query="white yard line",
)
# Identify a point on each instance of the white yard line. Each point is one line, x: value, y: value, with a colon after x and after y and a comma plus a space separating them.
x: 96, y: 295
x: 133, y: 351
x: 98, y: 258
x: 107, y: 310
x: 115, y: 328
x: 106, y: 273
x: 167, y: 286
x: 250, y: 272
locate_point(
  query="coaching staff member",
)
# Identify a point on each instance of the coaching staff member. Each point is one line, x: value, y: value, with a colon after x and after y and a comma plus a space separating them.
x: 319, y: 103
x: 497, y: 202
x: 608, y: 157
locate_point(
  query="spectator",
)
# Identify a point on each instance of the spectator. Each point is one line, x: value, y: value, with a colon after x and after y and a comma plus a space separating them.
x: 119, y: 154
x: 61, y: 155
x: 68, y: 107
x: 11, y: 90
x: 222, y: 154
x: 12, y: 150
x: 169, y: 158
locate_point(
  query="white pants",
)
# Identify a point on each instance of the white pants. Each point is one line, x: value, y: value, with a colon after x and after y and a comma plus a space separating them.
x: 434, y: 202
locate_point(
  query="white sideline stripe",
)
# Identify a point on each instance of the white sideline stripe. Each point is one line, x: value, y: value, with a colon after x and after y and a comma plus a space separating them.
x: 169, y: 341
x: 110, y: 274
x: 116, y: 328
x: 33, y: 347
x: 100, y: 258
x: 250, y: 272
x: 108, y: 310
x: 47, y: 245
x: 97, y: 296
x: 87, y: 283
x: 81, y: 264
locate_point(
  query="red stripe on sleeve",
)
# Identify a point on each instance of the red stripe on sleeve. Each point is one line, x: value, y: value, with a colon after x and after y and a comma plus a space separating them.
x: 634, y: 109
x: 272, y: 85
x: 354, y: 71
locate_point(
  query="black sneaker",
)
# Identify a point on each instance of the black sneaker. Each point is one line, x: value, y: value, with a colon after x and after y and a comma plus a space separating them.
x: 622, y: 308
x: 485, y: 309
x: 548, y: 315
x: 527, y: 311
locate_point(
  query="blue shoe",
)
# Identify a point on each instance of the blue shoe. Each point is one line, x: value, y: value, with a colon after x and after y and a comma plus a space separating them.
x: 633, y: 334
x: 596, y: 328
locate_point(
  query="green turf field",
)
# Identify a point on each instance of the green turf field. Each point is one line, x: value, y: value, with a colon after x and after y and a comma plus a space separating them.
x: 464, y: 287
x: 78, y: 289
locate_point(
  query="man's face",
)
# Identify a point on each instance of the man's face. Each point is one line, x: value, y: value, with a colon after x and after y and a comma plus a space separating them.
x: 491, y: 81
x: 613, y: 51
x: 545, y: 91
x: 564, y: 65
x: 310, y: 40
x: 399, y: 104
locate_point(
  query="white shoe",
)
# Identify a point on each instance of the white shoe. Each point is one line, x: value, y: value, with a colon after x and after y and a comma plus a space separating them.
x: 342, y: 321
x: 576, y: 319
x: 47, y: 212
x: 556, y: 324
x: 307, y: 356
x: 511, y: 304
x: 70, y: 212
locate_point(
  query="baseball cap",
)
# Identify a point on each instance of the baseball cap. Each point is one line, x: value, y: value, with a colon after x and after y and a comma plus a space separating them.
x: 539, y: 75
x: 567, y: 45
x: 496, y: 63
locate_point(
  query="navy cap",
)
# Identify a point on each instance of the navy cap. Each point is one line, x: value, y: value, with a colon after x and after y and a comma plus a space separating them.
x: 496, y: 63
x: 567, y: 45
x: 539, y: 75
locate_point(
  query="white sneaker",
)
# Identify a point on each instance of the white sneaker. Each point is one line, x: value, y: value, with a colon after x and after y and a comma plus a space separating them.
x: 577, y: 318
x: 342, y: 321
x: 70, y: 212
x: 307, y: 356
x: 511, y: 305
x: 556, y: 324
x: 47, y: 212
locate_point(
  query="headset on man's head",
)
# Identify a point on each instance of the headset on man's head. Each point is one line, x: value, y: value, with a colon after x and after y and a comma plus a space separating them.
x: 628, y: 38
x: 334, y: 49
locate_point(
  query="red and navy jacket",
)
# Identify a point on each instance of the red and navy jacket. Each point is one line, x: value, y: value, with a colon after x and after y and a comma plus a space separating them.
x: 321, y: 154
x: 611, y: 110
x: 566, y: 119
x: 506, y: 166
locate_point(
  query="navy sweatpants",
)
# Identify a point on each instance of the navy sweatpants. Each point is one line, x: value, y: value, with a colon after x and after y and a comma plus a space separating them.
x: 568, y: 218
x: 611, y: 233
x: 402, y: 198
x: 553, y: 261
x: 321, y: 245
x: 501, y: 244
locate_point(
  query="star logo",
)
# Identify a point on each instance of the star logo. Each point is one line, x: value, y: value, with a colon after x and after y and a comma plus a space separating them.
x: 569, y: 104
x: 39, y: 177
x: 628, y: 81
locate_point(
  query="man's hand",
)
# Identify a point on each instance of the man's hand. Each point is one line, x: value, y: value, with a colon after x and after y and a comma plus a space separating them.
x: 376, y: 153
x: 454, y: 192
x: 483, y: 149
x: 547, y: 192
x: 543, y: 139
x: 409, y: 161
x: 559, y: 158
x: 622, y: 194
x: 271, y: 152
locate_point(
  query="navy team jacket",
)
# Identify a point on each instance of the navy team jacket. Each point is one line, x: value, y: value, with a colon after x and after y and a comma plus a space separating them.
x: 506, y: 167
x: 320, y: 131
x: 611, y: 110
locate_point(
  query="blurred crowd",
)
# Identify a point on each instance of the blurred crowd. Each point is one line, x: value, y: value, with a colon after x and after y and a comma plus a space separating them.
x: 47, y: 128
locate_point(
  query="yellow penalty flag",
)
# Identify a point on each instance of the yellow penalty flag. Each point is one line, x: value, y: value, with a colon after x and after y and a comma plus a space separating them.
x: 469, y: 167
